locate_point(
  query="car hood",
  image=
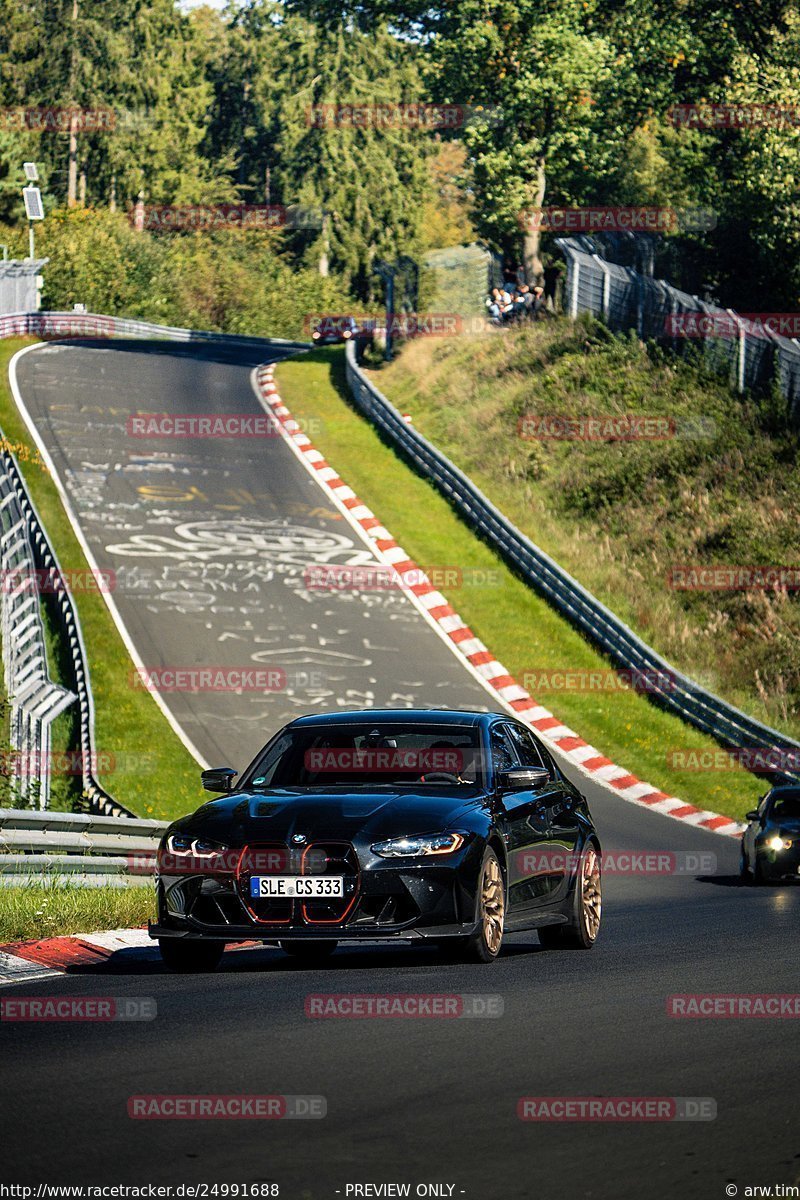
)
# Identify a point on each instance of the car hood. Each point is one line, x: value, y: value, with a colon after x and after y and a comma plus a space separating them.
x: 278, y: 815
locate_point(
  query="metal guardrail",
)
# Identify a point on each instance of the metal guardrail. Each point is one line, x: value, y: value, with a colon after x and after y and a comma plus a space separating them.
x: 55, y: 325
x: 76, y: 848
x: 42, y: 563
x: 34, y: 699
x: 667, y: 687
x: 625, y: 299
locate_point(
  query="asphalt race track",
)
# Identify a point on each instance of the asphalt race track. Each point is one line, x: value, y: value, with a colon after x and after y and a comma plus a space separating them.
x: 409, y: 1101
x: 208, y: 542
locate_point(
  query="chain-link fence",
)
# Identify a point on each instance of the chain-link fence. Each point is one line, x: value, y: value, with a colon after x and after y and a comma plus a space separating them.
x: 744, y: 350
x: 19, y: 284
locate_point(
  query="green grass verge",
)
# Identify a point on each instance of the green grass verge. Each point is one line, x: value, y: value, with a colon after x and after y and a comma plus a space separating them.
x: 518, y: 626
x: 153, y: 774
x: 42, y: 910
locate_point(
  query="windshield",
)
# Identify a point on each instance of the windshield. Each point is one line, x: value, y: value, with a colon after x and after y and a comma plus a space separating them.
x: 786, y: 808
x: 374, y: 755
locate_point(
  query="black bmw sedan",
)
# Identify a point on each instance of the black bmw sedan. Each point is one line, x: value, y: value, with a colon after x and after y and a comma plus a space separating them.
x: 453, y: 827
x: 771, y: 840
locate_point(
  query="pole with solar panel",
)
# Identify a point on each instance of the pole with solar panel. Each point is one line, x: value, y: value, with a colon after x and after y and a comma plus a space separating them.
x: 34, y: 209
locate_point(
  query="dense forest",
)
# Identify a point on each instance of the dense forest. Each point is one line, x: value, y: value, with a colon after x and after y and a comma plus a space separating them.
x: 545, y: 102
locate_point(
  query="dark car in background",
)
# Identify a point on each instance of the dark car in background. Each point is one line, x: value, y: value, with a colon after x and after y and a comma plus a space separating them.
x: 771, y: 842
x: 336, y: 330
x: 447, y: 826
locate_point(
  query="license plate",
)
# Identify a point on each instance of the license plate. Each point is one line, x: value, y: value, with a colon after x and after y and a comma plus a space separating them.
x: 296, y: 887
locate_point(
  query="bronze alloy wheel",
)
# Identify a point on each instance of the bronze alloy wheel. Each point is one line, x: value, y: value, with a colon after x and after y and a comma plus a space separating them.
x: 493, y: 905
x: 591, y: 893
x: 581, y: 930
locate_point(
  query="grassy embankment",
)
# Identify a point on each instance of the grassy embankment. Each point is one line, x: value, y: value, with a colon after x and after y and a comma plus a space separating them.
x: 722, y: 490
x: 524, y: 633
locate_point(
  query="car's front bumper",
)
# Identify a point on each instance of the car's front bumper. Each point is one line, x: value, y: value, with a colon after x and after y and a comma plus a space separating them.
x: 343, y: 933
x: 382, y: 898
x: 780, y: 864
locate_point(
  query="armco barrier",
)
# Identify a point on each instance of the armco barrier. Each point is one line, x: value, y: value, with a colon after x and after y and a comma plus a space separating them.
x: 34, y: 699
x: 43, y: 559
x: 679, y: 695
x: 76, y: 848
x: 54, y: 325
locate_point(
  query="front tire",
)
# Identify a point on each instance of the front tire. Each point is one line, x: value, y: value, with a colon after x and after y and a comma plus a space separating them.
x: 188, y: 956
x: 484, y: 944
x: 587, y: 904
x: 309, y: 952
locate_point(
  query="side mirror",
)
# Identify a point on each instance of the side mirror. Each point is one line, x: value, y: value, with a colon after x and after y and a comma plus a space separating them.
x: 752, y: 815
x: 524, y: 779
x: 218, y: 779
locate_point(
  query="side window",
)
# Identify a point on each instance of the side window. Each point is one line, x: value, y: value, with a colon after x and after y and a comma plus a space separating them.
x: 527, y: 749
x: 503, y: 756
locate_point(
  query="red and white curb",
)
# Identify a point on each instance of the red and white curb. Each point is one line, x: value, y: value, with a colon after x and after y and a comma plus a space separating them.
x: 31, y: 962
x: 475, y: 655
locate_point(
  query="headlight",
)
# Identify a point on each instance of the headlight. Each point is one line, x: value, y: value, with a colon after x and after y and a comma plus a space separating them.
x: 418, y: 847
x: 779, y: 843
x: 181, y: 845
x: 315, y: 334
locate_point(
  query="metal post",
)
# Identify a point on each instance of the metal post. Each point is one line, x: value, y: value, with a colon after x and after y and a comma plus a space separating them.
x: 604, y: 309
x: 741, y: 350
x: 573, y: 291
x: 31, y: 242
x: 389, y: 314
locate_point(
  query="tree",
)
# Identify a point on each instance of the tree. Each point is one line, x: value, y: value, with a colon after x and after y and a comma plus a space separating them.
x: 366, y: 186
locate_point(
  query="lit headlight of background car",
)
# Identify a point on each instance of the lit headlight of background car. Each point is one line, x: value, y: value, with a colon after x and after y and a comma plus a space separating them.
x: 419, y: 847
x: 779, y: 843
